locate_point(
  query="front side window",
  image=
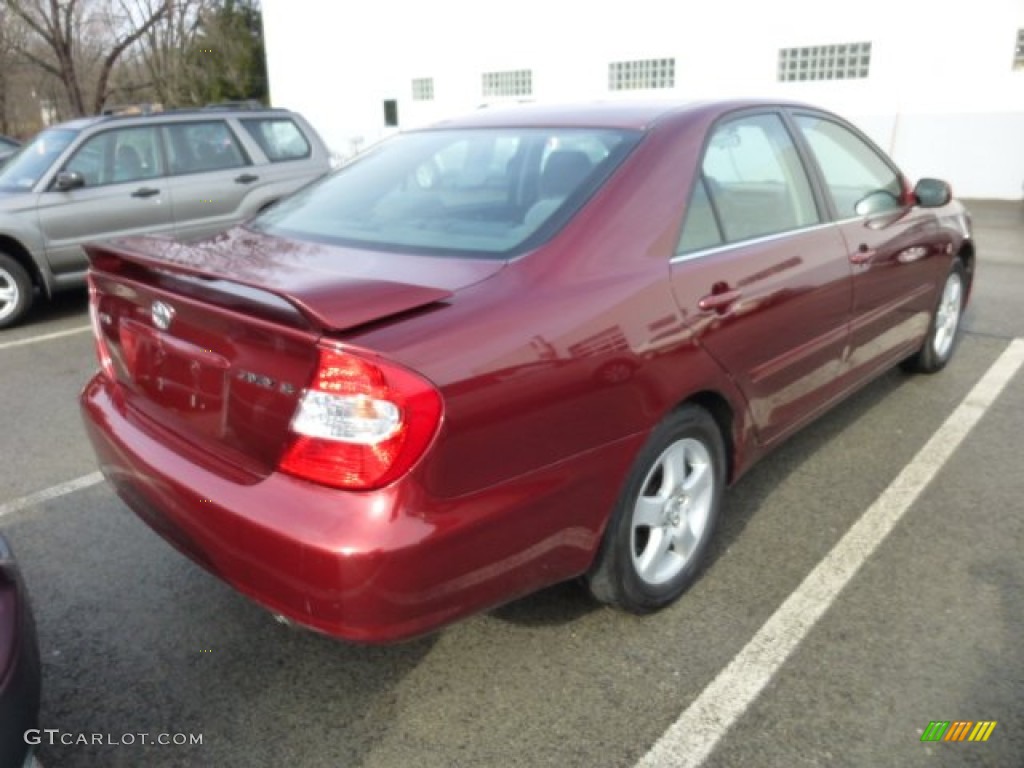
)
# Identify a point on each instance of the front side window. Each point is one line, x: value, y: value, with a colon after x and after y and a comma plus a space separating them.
x: 202, y: 147
x: 753, y: 176
x: 118, y: 156
x: 858, y: 179
x: 472, y: 192
x: 26, y: 169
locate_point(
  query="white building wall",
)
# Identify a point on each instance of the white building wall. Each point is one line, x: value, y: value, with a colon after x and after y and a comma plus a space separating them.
x: 942, y: 95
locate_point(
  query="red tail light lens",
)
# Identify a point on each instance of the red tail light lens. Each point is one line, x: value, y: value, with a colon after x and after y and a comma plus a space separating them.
x: 361, y: 423
x: 102, y: 351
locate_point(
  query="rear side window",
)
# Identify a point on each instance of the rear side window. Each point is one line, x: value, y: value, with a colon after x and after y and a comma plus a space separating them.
x: 700, y: 230
x: 279, y: 138
x: 755, y: 181
x: 202, y: 147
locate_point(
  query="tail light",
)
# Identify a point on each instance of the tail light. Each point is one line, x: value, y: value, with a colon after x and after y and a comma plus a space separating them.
x: 361, y: 423
x: 95, y: 316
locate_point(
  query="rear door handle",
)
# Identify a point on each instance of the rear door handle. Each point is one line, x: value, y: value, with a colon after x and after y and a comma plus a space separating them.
x: 719, y: 301
x: 246, y: 178
x: 145, y: 192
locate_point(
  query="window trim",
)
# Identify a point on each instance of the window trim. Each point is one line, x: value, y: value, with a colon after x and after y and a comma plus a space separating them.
x: 715, y: 249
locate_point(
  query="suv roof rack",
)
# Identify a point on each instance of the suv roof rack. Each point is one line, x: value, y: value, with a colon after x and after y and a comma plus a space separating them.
x: 149, y: 110
x: 132, y: 110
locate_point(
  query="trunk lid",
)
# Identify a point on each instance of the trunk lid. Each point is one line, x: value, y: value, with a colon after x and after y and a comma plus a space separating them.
x: 212, y: 344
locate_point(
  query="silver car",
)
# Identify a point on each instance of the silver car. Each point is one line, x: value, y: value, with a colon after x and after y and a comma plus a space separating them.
x: 187, y: 174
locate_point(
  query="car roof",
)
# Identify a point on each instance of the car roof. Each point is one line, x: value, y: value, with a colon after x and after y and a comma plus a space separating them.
x: 631, y: 114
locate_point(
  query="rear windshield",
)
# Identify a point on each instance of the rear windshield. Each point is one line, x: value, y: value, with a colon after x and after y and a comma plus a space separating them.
x: 28, y: 166
x: 485, y: 192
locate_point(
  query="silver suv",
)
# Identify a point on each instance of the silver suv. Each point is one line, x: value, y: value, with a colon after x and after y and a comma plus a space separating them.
x: 188, y: 174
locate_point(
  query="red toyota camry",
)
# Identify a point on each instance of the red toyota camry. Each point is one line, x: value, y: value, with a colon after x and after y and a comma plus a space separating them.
x: 512, y: 349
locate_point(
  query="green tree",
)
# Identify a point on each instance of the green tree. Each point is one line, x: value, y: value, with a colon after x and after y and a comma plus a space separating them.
x: 227, y: 60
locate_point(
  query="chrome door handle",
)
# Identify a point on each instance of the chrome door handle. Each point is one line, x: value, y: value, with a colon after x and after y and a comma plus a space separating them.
x: 863, y: 254
x: 719, y: 301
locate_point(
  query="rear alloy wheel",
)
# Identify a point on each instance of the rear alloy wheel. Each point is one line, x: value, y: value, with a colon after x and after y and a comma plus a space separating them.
x: 939, y: 344
x: 663, y: 523
x: 15, y: 291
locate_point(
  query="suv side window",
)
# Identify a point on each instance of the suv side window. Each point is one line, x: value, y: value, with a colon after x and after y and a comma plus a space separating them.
x: 853, y: 171
x: 118, y: 156
x: 199, y: 147
x: 278, y: 137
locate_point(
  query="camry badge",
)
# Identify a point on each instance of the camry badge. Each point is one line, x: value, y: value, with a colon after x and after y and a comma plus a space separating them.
x: 162, y: 315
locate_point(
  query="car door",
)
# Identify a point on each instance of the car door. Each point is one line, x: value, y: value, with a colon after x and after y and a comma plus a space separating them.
x: 897, y: 251
x: 124, y: 193
x: 210, y: 177
x: 761, y: 277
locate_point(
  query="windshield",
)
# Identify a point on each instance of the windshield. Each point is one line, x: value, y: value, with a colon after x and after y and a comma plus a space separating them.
x: 484, y: 192
x: 35, y: 158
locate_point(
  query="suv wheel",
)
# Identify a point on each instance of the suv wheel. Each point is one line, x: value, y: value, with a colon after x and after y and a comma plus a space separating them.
x: 15, y: 291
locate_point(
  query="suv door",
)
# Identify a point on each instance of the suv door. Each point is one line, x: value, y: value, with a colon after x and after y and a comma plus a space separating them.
x: 896, y: 249
x: 765, y: 284
x: 210, y: 175
x: 125, y: 193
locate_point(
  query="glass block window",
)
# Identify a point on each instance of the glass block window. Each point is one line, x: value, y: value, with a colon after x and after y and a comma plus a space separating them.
x: 846, y: 61
x: 514, y: 82
x: 1018, y: 56
x: 645, y: 73
x: 423, y: 89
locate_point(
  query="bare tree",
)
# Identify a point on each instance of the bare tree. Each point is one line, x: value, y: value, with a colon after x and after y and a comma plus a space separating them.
x: 162, y: 60
x: 80, y: 41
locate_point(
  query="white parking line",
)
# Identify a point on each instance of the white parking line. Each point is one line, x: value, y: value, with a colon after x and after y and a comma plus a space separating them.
x: 691, y: 738
x: 53, y: 492
x: 44, y: 337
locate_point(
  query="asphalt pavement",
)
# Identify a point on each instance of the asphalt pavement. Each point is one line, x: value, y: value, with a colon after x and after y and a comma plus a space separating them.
x: 137, y: 640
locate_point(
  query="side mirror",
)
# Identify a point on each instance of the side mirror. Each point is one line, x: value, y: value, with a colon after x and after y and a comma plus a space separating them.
x: 932, y: 193
x: 878, y: 201
x: 68, y: 180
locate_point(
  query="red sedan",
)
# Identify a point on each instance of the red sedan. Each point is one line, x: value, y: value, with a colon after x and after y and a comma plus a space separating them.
x: 510, y: 350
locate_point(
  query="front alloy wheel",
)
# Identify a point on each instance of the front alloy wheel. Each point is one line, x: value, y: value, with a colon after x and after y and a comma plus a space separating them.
x: 947, y: 316
x: 940, y: 343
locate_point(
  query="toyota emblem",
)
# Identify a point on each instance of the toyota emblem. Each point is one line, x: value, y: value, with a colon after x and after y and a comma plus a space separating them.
x: 162, y: 315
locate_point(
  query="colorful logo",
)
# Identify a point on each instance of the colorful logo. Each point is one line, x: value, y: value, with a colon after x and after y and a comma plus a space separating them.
x: 958, y: 730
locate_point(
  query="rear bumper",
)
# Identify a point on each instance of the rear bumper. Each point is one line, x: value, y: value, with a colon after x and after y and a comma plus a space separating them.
x: 19, y: 667
x: 369, y: 567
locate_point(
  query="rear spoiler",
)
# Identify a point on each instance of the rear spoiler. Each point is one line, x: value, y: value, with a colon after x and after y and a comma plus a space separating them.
x: 282, y: 291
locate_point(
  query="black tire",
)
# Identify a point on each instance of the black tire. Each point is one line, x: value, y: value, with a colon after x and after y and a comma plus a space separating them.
x: 15, y: 291
x: 644, y: 567
x: 944, y: 330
